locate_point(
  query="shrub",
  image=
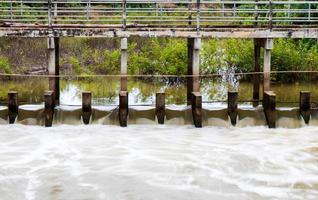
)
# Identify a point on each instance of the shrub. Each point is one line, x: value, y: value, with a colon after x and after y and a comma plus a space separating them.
x: 5, y: 65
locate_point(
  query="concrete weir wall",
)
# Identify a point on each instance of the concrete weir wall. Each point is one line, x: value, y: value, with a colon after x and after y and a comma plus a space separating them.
x: 195, y: 112
x: 174, y: 115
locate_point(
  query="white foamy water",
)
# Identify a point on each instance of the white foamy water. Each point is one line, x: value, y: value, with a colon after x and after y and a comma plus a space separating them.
x: 157, y: 163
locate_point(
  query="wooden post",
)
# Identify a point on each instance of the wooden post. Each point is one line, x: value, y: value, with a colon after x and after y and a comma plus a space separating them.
x: 193, y: 81
x: 304, y: 105
x: 232, y: 106
x: 269, y: 106
x: 123, y: 108
x: 197, y: 109
x: 48, y: 108
x: 53, y: 67
x: 160, y: 107
x: 268, y: 46
x: 13, y: 106
x: 86, y: 106
x: 123, y: 64
x: 256, y: 77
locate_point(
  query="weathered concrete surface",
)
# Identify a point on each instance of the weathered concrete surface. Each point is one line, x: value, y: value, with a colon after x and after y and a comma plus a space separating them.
x: 86, y: 106
x: 48, y: 107
x: 161, y: 107
x: 115, y: 31
x: 197, y: 109
x: 305, y: 105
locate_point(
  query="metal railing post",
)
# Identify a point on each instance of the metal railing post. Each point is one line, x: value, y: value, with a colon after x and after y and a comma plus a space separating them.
x: 11, y: 11
x: 223, y: 10
x: 309, y: 12
x: 124, y: 6
x: 55, y: 10
x: 161, y: 12
x: 189, y: 12
x: 156, y: 7
x: 88, y: 9
x: 256, y: 13
x: 50, y: 7
x: 270, y: 14
x: 288, y: 14
x: 198, y: 5
x: 21, y: 6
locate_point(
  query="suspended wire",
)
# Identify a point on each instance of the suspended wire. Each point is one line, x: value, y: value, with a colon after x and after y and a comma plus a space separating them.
x: 152, y: 75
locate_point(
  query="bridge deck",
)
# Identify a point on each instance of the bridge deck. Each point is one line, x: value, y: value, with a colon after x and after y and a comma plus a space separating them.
x: 143, y: 31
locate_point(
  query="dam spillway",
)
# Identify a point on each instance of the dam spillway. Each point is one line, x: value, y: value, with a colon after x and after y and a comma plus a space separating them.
x: 213, y: 116
x: 190, y: 133
x: 263, y: 21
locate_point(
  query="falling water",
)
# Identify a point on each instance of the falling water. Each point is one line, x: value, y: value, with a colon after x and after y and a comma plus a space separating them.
x: 171, y: 162
x: 148, y: 161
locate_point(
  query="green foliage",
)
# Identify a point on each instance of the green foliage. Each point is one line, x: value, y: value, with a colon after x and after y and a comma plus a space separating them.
x: 87, y: 56
x: 5, y: 65
x: 174, y: 57
x: 106, y: 61
x: 294, y: 55
x: 158, y: 56
x: 76, y: 65
x: 230, y: 53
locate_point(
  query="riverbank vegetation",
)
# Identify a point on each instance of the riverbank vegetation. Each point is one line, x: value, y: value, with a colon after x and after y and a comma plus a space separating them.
x: 162, y: 56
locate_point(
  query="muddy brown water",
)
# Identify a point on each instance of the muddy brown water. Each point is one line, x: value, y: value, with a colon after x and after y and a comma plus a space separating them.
x: 105, y: 90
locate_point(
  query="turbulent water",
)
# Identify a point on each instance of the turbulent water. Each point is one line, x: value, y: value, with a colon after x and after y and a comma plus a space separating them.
x: 157, y: 162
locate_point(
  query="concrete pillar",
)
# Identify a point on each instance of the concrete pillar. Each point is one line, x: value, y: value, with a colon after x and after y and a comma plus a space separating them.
x: 269, y: 106
x: 268, y: 46
x: 48, y: 108
x: 123, y: 108
x: 232, y: 99
x: 193, y: 83
x: 197, y: 109
x: 123, y: 64
x: 304, y: 105
x: 53, y: 67
x: 13, y: 106
x: 160, y: 107
x: 86, y: 106
x: 257, y: 64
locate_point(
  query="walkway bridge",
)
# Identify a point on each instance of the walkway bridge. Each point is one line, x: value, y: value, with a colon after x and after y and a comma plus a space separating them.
x: 159, y: 18
x: 260, y: 20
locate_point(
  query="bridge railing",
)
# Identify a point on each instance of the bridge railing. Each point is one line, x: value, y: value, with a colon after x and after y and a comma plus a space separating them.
x: 159, y: 13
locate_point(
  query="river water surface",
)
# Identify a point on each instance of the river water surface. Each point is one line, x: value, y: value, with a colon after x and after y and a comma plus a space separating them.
x: 152, y: 162
x: 142, y: 91
x: 157, y: 162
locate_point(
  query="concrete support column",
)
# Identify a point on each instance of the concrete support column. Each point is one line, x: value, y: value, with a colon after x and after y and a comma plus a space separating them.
x: 257, y: 64
x: 268, y: 46
x: 269, y: 105
x: 160, y: 107
x: 197, y: 109
x: 305, y: 105
x: 123, y: 64
x: 48, y: 108
x: 123, y: 108
x: 232, y: 101
x: 53, y: 67
x: 193, y: 83
x: 86, y: 106
x: 13, y: 106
